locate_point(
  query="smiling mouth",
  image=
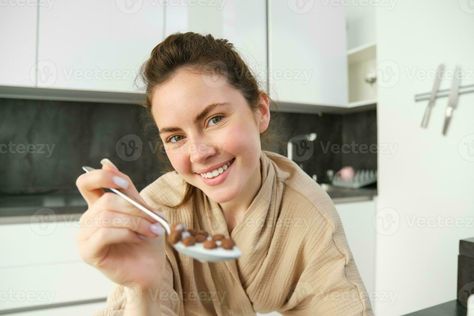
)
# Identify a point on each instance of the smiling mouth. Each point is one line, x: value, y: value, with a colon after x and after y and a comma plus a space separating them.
x: 218, y: 171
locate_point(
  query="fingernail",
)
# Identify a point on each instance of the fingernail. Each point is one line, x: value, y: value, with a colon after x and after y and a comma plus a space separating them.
x: 121, y: 182
x: 107, y: 161
x: 157, y: 229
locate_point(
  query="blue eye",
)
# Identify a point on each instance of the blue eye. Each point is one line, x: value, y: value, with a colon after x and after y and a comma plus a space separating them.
x: 172, y: 139
x: 215, y: 119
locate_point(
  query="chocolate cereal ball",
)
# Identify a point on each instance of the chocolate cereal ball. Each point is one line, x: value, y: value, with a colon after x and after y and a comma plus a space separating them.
x: 209, y: 244
x: 227, y: 243
x: 189, y: 241
x: 200, y: 238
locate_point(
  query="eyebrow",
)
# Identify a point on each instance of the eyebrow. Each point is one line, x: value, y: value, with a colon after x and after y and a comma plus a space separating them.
x: 198, y: 118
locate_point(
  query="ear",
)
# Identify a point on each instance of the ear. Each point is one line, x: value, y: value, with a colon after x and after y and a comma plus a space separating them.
x: 263, y: 112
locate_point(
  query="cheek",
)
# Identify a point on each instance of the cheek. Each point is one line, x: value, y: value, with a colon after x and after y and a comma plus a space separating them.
x: 177, y: 160
x: 242, y: 140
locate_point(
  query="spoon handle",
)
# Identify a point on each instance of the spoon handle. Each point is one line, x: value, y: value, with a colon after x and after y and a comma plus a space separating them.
x: 152, y: 214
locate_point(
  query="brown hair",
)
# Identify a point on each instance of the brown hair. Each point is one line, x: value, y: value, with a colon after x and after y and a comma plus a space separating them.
x: 204, y: 53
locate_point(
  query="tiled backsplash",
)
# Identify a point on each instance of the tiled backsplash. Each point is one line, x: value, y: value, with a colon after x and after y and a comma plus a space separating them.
x: 43, y: 144
x: 342, y: 140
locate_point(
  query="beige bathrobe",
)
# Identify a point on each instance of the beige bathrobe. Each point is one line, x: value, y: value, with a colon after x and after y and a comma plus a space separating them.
x: 295, y: 258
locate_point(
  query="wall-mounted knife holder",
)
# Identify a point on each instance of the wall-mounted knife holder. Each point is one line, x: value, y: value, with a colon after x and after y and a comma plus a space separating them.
x: 452, y: 94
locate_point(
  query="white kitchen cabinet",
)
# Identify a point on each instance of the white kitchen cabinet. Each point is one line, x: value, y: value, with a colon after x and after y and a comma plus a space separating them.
x: 362, y: 75
x: 18, y: 42
x: 77, y: 310
x: 358, y: 220
x: 241, y: 22
x: 97, y: 45
x: 307, y: 53
x: 41, y: 265
x: 362, y: 70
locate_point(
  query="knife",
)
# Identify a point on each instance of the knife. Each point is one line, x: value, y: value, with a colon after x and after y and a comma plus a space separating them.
x: 453, y: 99
x: 434, y: 92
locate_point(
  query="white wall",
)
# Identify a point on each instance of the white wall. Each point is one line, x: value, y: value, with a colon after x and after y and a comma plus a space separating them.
x: 426, y: 200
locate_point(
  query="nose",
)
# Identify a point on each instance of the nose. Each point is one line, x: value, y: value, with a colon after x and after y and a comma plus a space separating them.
x: 200, y: 151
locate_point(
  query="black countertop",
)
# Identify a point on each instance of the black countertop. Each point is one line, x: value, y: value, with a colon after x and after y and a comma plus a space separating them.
x: 451, y: 308
x: 42, y: 204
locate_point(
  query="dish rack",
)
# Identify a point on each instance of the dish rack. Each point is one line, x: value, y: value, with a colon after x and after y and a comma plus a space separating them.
x: 361, y: 178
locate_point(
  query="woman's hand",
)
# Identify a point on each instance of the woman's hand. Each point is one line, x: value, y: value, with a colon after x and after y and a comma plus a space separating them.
x: 114, y: 236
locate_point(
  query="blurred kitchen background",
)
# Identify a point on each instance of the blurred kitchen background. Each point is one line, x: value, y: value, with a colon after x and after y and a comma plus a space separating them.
x: 350, y: 82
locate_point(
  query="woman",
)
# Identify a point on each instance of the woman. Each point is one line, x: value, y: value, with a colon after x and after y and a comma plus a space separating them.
x: 210, y: 113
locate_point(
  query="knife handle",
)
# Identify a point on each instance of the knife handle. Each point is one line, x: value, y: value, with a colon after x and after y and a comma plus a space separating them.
x: 426, y: 116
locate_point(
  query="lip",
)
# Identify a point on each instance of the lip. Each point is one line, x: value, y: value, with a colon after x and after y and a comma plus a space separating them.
x: 220, y: 178
x: 213, y: 167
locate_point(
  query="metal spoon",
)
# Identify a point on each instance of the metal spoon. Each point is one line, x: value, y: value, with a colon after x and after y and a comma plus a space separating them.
x: 196, y: 251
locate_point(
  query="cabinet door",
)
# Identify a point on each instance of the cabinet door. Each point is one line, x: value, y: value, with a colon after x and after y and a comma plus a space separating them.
x: 97, y: 45
x: 40, y: 265
x: 307, y: 53
x: 241, y: 22
x: 77, y: 310
x: 358, y: 220
x: 18, y: 42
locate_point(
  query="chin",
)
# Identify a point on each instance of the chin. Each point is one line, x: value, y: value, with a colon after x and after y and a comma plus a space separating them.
x: 221, y: 196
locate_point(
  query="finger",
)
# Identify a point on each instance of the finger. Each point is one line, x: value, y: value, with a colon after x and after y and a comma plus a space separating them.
x: 130, y: 189
x: 120, y: 220
x: 91, y: 184
x: 108, y: 202
x: 108, y: 165
x: 94, y: 250
x: 113, y: 202
x: 91, y: 195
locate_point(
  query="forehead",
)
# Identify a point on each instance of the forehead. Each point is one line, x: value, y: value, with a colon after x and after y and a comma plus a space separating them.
x: 188, y: 92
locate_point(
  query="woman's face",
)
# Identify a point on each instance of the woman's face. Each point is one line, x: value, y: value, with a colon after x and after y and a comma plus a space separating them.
x: 210, y: 133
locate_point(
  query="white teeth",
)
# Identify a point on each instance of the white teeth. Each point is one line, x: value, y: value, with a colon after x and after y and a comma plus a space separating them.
x: 215, y: 173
